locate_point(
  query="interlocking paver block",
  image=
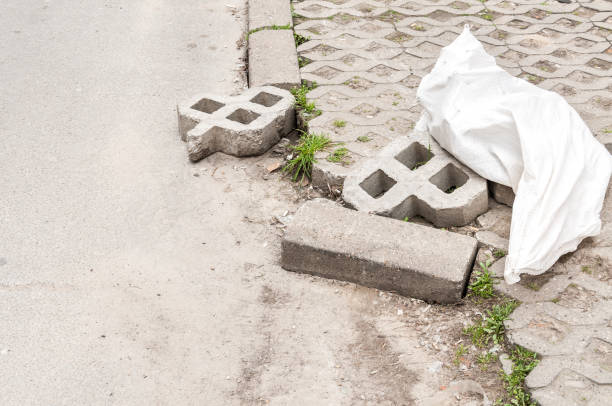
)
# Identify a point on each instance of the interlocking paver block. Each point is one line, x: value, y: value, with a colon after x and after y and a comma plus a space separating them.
x: 248, y: 124
x: 415, y: 176
x: 328, y: 240
x: 273, y: 59
x: 267, y: 13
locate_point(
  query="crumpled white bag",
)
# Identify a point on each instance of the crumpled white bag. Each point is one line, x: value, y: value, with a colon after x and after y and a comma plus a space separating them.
x: 516, y: 134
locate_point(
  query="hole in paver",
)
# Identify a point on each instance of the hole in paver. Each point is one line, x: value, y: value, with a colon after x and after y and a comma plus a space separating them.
x: 243, y: 116
x: 207, y: 106
x: 415, y: 156
x: 377, y: 184
x: 449, y: 178
x: 266, y: 99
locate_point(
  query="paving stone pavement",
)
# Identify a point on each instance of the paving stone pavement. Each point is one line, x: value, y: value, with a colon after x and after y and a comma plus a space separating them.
x: 368, y: 57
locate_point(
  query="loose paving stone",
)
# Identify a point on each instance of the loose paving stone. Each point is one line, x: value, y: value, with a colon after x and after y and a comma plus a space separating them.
x: 415, y: 176
x: 273, y: 59
x: 490, y: 239
x: 268, y: 13
x: 502, y: 194
x: 328, y: 240
x: 497, y: 219
x: 248, y: 124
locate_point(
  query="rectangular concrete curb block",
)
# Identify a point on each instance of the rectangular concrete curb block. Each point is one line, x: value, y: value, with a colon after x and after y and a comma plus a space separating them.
x: 328, y: 240
x: 273, y: 59
x: 266, y: 13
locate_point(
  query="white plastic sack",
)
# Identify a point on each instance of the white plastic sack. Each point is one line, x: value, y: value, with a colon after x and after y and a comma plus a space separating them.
x: 514, y: 133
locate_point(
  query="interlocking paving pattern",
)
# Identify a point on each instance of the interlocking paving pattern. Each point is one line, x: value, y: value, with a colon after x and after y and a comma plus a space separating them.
x: 369, y: 56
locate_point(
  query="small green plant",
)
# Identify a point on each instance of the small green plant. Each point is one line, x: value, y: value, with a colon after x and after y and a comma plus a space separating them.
x: 491, y: 327
x: 363, y: 138
x: 339, y: 155
x: 498, y: 253
x: 485, y: 359
x: 459, y: 352
x: 340, y: 123
x: 483, y: 285
x: 586, y: 269
x: 301, y: 102
x: 406, y: 219
x: 417, y: 27
x: 533, y: 286
x: 305, y: 150
x: 300, y: 39
x: 523, y: 362
x: 555, y: 300
x: 395, y: 103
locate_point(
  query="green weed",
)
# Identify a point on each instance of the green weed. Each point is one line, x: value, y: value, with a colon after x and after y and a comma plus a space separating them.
x: 498, y: 253
x: 301, y: 101
x: 340, y: 123
x: 363, y: 138
x: 459, y: 352
x: 483, y: 285
x: 491, y: 327
x: 523, y: 362
x: 305, y: 151
x: 300, y: 39
x: 338, y: 156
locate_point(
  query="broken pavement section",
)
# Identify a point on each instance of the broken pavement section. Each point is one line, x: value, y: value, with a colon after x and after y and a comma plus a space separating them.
x: 327, y: 240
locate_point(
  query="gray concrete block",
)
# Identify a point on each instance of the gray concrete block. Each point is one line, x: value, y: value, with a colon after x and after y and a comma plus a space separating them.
x: 502, y: 194
x: 266, y: 13
x: 414, y: 176
x: 273, y: 59
x: 490, y: 239
x: 244, y: 125
x: 328, y: 240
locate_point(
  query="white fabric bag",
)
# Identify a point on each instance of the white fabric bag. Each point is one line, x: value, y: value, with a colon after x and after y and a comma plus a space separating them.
x: 514, y: 133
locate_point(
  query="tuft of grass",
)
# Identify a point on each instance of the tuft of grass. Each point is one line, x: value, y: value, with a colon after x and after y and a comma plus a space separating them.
x: 339, y: 155
x: 406, y: 219
x: 533, y: 286
x: 485, y: 359
x: 340, y: 123
x: 303, y: 61
x: 459, y: 352
x: 586, y: 269
x: 498, y: 253
x: 305, y: 150
x: 301, y: 102
x: 523, y: 362
x: 483, y: 285
x: 491, y: 327
x: 363, y: 138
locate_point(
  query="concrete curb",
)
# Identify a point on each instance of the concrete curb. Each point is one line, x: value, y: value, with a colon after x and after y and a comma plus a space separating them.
x: 328, y: 240
x: 267, y: 13
x: 271, y: 47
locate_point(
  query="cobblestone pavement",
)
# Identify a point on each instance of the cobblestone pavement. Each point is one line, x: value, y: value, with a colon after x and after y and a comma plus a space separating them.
x: 368, y: 58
